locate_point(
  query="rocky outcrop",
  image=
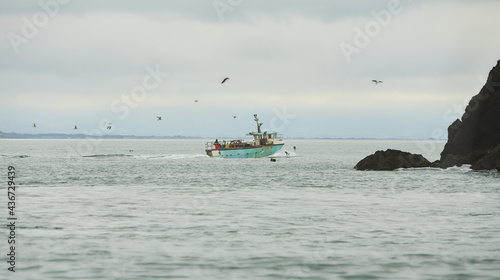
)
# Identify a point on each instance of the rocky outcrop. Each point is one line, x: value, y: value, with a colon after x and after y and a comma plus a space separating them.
x: 475, y: 139
x: 391, y: 160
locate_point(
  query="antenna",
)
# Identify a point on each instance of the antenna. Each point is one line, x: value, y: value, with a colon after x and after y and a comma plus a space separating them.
x: 258, y: 123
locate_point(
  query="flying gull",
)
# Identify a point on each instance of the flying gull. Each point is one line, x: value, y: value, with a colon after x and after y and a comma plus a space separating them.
x: 225, y: 79
x: 158, y: 118
x: 377, y: 82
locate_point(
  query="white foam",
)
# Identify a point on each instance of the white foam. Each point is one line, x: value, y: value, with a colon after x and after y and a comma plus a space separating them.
x: 170, y: 157
x: 463, y: 168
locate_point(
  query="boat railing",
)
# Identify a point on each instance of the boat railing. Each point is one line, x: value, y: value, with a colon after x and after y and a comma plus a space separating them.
x: 209, y: 146
x: 233, y: 144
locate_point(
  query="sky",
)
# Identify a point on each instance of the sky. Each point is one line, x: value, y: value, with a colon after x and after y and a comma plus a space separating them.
x: 305, y: 67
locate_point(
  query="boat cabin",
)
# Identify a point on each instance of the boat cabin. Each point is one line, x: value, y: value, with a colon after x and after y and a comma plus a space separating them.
x: 266, y: 138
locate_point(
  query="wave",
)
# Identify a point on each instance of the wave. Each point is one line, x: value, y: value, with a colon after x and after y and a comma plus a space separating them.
x: 282, y: 154
x: 463, y: 168
x: 21, y: 156
x: 479, y: 214
x: 40, y: 227
x: 108, y: 155
x: 170, y: 157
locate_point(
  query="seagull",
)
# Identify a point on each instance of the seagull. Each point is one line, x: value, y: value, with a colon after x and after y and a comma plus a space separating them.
x: 75, y: 127
x: 225, y: 79
x: 109, y: 127
x: 376, y: 82
x: 158, y: 118
x: 34, y: 124
x: 196, y: 100
x: 234, y: 117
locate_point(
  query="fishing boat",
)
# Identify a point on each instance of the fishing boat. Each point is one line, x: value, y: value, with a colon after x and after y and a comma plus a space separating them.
x: 263, y: 144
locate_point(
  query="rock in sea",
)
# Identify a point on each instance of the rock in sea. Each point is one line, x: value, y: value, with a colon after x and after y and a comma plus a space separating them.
x: 474, y: 140
x: 391, y: 160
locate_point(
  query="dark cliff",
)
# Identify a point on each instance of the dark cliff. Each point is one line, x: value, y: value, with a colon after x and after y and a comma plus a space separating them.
x: 475, y: 139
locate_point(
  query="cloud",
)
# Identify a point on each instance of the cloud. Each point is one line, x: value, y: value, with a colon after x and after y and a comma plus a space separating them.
x: 276, y: 54
x: 239, y: 10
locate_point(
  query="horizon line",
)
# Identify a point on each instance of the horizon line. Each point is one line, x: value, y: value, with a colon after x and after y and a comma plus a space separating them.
x: 15, y: 135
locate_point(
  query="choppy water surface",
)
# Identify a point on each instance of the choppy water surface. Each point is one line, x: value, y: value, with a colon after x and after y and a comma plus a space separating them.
x: 160, y: 209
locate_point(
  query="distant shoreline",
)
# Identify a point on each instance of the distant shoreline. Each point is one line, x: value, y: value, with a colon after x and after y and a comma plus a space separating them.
x: 13, y: 135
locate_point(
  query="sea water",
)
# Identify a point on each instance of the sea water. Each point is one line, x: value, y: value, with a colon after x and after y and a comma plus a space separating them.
x: 162, y: 209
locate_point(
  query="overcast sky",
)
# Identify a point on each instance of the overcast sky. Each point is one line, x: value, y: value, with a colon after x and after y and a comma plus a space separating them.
x: 305, y: 67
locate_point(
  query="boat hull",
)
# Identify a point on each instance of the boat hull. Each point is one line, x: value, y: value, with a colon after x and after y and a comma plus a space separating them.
x: 252, y: 152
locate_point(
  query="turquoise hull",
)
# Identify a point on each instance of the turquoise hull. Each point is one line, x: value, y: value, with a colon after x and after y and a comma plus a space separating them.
x: 254, y: 152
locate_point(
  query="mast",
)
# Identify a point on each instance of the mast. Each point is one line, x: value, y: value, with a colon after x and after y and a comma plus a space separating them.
x: 258, y: 123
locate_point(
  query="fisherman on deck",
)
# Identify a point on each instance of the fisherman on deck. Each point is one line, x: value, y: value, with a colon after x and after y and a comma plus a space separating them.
x: 216, y: 144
